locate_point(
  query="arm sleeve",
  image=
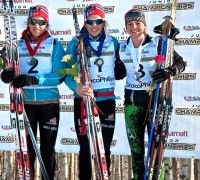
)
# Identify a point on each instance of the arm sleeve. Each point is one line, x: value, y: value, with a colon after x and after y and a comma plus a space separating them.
x: 53, y: 78
x: 72, y: 50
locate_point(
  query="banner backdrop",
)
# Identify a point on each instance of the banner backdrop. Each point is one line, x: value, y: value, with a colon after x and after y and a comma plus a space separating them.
x: 184, y: 134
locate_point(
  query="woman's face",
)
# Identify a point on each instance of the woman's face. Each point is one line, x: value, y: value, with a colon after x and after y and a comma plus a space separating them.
x: 37, y: 26
x: 136, y: 29
x: 94, y: 25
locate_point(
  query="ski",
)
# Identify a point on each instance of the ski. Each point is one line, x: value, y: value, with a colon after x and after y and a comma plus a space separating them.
x: 93, y: 124
x: 16, y: 97
x: 162, y: 105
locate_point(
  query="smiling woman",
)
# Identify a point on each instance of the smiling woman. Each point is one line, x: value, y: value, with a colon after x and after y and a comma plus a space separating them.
x: 40, y: 58
x: 141, y: 69
x: 102, y: 75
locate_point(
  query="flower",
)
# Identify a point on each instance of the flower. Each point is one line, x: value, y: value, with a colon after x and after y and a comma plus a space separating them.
x: 67, y: 58
x: 159, y: 59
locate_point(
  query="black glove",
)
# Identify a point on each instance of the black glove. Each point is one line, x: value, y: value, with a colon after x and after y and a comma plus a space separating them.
x: 120, y: 70
x: 173, y: 32
x: 8, y: 75
x: 24, y: 80
x: 161, y: 75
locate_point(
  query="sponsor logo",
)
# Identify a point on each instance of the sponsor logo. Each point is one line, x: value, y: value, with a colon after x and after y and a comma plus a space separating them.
x: 60, y: 33
x: 18, y: 12
x: 66, y: 96
x: 180, y: 146
x: 69, y: 141
x: 188, y: 111
x: 70, y: 108
x: 20, y: 173
x: 178, y: 133
x: 22, y: 1
x: 192, y: 98
x: 80, y: 10
x: 188, y: 41
x: 139, y: 85
x: 103, y: 79
x: 66, y: 108
x: 38, y: 54
x: 4, y: 107
x: 112, y: 31
x: 6, y: 127
x: 164, y: 7
x: 73, y: 141
x: 52, y: 128
x: 191, y: 28
x: 146, y: 59
x: 185, y: 76
x: 7, y: 139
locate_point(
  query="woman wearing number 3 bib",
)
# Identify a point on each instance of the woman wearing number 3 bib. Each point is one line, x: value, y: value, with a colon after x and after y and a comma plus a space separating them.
x: 40, y: 58
x: 138, y: 53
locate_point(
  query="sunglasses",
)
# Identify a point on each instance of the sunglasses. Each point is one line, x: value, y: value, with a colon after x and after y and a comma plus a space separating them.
x: 97, y: 21
x: 37, y: 21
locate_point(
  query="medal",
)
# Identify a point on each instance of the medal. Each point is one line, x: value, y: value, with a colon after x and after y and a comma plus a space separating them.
x: 137, y: 76
x: 99, y: 62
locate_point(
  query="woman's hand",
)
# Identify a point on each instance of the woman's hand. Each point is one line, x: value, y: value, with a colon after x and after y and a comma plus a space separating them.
x: 84, y: 91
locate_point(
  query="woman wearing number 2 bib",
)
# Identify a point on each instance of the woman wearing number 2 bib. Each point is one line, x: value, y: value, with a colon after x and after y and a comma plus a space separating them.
x: 40, y: 58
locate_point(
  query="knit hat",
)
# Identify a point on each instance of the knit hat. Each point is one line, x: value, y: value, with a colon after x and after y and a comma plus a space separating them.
x: 94, y: 9
x: 135, y: 15
x: 38, y: 10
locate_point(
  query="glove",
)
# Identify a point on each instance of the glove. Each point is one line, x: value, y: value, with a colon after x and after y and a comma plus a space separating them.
x: 173, y: 32
x: 120, y: 70
x: 7, y: 75
x: 161, y: 75
x: 2, y: 64
x: 24, y: 80
x: 2, y: 58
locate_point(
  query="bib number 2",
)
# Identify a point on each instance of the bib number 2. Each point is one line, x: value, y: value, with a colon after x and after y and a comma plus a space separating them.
x: 33, y: 63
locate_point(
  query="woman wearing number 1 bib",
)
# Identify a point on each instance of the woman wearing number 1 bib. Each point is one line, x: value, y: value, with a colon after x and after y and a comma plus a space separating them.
x: 102, y: 72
